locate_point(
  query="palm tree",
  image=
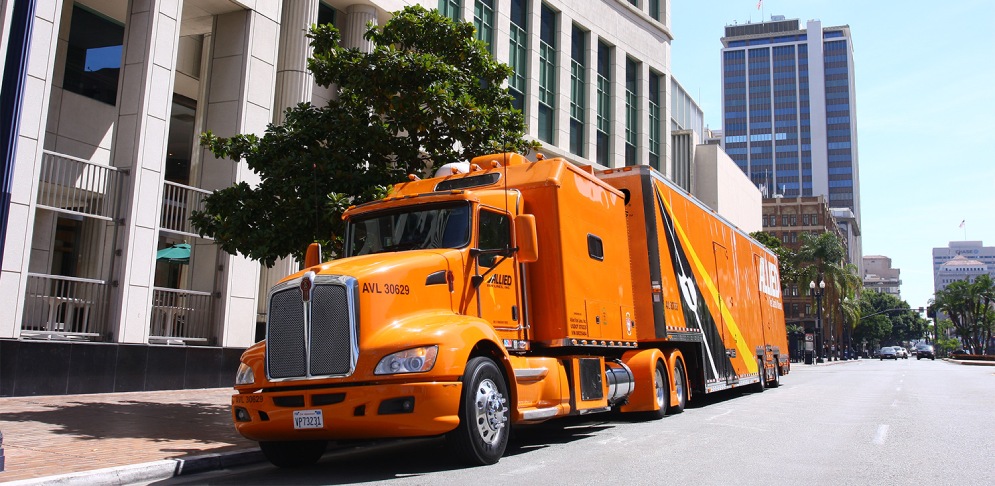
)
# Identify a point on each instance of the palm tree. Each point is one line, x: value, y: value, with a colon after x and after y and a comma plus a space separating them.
x: 969, y: 306
x: 821, y: 257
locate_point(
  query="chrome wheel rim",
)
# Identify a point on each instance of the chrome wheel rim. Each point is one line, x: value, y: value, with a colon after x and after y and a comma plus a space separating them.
x: 679, y: 384
x: 490, y: 412
x: 660, y: 392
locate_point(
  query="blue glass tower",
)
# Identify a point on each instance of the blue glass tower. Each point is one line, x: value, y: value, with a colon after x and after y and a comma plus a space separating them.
x: 788, y: 109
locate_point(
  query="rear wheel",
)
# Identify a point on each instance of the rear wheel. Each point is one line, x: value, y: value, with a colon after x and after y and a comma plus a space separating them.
x: 680, y: 386
x: 296, y: 453
x: 482, y: 434
x: 776, y: 382
x: 760, y: 385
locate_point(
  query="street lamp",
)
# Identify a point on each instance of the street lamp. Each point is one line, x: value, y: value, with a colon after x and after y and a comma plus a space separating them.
x: 818, y: 316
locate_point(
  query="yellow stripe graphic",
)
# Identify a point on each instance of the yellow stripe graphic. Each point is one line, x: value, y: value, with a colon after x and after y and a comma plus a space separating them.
x: 741, y: 349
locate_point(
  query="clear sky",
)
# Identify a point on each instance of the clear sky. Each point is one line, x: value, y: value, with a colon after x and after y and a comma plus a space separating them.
x: 925, y: 88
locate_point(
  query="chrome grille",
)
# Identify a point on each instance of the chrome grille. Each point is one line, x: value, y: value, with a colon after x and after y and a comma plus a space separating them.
x: 314, y: 339
x: 285, y: 335
x: 330, y: 353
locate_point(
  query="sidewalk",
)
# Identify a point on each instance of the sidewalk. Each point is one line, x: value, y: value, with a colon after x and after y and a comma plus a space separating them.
x: 157, y: 434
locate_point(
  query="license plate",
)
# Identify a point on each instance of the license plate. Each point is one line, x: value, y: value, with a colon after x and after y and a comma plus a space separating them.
x: 308, y: 419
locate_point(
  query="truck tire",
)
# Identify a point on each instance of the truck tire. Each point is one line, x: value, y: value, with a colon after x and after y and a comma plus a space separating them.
x: 295, y: 453
x: 776, y: 382
x: 482, y: 434
x: 759, y: 386
x: 661, y: 390
x: 680, y: 386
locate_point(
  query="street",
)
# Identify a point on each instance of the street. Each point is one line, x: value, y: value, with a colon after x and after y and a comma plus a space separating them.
x: 858, y: 422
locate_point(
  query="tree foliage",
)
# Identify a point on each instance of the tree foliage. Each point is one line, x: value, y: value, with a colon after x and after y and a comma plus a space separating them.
x: 822, y: 257
x: 888, y: 320
x: 428, y: 94
x: 968, y: 304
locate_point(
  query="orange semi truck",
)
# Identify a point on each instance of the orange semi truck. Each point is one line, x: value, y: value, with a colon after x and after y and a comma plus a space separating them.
x: 512, y: 293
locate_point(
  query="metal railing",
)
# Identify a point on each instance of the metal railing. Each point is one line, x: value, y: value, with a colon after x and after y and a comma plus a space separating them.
x: 180, y: 317
x: 178, y: 201
x: 73, y: 185
x: 58, y: 307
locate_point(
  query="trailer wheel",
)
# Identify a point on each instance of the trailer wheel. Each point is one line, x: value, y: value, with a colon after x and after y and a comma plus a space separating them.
x: 295, y: 453
x: 661, y: 391
x: 680, y: 383
x: 759, y: 386
x: 776, y: 382
x: 482, y: 434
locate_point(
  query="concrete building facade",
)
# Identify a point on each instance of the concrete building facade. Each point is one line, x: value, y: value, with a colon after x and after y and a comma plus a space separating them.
x: 100, y: 261
x: 961, y: 260
x: 880, y: 276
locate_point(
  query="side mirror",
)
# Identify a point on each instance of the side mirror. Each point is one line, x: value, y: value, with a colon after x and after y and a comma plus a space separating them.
x: 525, y: 238
x: 313, y: 255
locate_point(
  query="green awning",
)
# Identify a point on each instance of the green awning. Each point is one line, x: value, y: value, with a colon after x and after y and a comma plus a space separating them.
x: 179, y: 253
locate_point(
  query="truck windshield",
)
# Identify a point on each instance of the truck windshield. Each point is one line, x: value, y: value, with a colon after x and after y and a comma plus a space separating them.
x: 437, y: 226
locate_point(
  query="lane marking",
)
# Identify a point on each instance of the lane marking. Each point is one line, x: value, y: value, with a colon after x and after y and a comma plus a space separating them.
x: 882, y: 434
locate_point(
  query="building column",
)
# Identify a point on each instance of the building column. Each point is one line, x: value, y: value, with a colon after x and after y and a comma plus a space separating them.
x: 294, y: 84
x: 242, y: 87
x: 151, y: 37
x: 29, y: 140
x: 354, y: 28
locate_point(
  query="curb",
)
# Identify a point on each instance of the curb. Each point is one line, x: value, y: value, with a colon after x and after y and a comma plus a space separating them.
x: 970, y: 363
x: 149, y: 471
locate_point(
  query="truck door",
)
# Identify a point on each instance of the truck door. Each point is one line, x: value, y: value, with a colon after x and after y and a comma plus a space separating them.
x: 723, y: 284
x: 497, y: 295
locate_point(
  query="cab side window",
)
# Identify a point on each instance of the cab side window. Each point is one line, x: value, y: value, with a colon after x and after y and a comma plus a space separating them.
x: 494, y: 230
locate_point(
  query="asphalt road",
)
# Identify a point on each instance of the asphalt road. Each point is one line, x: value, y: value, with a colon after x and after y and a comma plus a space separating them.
x: 863, y: 422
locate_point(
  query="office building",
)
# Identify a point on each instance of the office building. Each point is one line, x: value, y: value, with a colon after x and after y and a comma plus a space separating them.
x: 880, y: 276
x: 961, y: 260
x: 106, y: 286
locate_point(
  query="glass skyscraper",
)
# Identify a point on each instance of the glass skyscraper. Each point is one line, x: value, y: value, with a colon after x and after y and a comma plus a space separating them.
x: 789, y: 118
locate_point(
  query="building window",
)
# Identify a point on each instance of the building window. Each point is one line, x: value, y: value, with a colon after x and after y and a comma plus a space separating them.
x: 93, y: 56
x: 578, y: 89
x: 483, y: 20
x: 631, y: 111
x: 654, y: 117
x: 805, y: 219
x: 654, y: 10
x: 451, y: 8
x: 604, y: 116
x: 326, y: 14
x: 518, y: 57
x: 547, y: 72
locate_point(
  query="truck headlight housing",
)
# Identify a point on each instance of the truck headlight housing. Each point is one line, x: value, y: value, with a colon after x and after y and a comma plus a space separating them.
x: 415, y: 360
x: 245, y: 376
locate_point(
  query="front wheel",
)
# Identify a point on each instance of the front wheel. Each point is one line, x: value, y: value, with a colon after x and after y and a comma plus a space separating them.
x: 296, y: 453
x: 482, y: 434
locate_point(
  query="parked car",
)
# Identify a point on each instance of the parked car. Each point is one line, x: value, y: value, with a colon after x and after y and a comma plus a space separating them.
x: 925, y: 351
x: 901, y: 352
x: 888, y: 352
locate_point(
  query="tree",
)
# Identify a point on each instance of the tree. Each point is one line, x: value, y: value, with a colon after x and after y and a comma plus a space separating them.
x: 428, y: 94
x: 968, y: 304
x: 903, y: 323
x: 821, y: 257
x: 785, y: 257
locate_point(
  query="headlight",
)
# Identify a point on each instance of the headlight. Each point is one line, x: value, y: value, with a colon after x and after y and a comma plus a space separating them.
x: 245, y: 376
x: 409, y: 361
